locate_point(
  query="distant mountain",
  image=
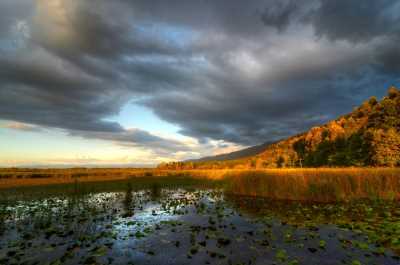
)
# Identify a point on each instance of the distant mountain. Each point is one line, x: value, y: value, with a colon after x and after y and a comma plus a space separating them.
x: 368, y: 136
x: 247, y: 152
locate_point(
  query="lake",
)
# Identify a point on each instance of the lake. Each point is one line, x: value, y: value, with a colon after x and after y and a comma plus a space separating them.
x: 183, y: 222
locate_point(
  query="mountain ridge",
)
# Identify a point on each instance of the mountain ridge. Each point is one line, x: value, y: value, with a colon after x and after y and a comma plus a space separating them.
x: 242, y: 153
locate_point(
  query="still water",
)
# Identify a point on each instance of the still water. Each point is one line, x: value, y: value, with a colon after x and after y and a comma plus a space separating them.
x: 175, y: 226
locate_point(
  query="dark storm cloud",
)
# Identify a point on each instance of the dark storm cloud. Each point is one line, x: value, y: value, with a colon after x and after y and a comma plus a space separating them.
x: 35, y: 92
x: 233, y: 16
x: 91, y: 32
x: 280, y: 15
x: 356, y: 21
x: 244, y: 72
x: 388, y: 56
x: 136, y: 137
x: 12, y: 11
x: 246, y: 117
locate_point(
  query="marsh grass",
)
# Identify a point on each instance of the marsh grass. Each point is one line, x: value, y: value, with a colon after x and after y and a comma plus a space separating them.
x: 321, y: 185
x: 307, y: 184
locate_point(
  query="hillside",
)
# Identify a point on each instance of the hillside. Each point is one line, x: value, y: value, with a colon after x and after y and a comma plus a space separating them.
x: 368, y: 136
x: 247, y: 152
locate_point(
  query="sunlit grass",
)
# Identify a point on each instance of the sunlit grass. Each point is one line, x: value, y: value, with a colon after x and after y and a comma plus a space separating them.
x: 310, y: 184
x: 322, y: 184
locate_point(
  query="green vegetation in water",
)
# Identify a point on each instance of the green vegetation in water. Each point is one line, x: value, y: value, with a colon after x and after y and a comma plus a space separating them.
x: 182, y: 221
x: 379, y: 220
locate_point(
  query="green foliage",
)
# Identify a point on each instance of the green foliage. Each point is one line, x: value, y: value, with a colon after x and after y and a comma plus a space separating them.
x: 300, y: 148
x: 320, y: 156
x: 386, y: 113
x: 353, y: 151
x: 281, y: 255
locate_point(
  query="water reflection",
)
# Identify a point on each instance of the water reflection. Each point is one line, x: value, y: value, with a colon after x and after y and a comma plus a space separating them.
x: 156, y: 225
x: 128, y: 201
x: 155, y: 191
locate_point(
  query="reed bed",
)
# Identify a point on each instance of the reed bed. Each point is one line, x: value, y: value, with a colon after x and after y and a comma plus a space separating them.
x: 305, y: 184
x: 18, y: 177
x: 320, y: 185
x: 12, y: 178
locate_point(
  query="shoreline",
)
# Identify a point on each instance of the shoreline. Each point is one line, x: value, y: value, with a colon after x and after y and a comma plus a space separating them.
x: 301, y: 184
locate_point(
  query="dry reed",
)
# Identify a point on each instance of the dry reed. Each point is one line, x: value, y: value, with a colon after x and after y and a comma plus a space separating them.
x: 307, y: 184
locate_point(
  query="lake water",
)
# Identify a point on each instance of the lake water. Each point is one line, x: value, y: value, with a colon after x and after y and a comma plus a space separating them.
x: 177, y: 226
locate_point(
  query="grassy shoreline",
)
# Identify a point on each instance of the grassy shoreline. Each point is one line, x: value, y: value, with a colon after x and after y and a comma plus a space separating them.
x: 307, y: 184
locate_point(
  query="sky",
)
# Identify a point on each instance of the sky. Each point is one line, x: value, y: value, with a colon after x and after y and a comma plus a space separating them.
x: 136, y: 83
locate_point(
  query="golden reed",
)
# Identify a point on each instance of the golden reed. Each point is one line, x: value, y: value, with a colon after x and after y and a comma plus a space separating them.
x: 306, y: 184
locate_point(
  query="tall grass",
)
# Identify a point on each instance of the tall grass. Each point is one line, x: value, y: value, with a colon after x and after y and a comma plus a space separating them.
x: 321, y: 185
x: 310, y: 184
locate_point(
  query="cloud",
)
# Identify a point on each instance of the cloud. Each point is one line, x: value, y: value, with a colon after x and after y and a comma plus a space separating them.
x: 356, y: 21
x: 22, y: 127
x: 280, y: 15
x: 13, y: 11
x: 137, y: 138
x: 232, y: 71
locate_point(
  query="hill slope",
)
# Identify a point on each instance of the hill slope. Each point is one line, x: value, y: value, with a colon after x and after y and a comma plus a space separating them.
x: 247, y: 152
x: 368, y: 136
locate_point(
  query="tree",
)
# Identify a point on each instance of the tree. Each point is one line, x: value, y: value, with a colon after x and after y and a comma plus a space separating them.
x: 372, y: 101
x: 385, y: 147
x: 300, y: 148
x: 253, y: 163
x: 280, y: 162
x: 393, y: 92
